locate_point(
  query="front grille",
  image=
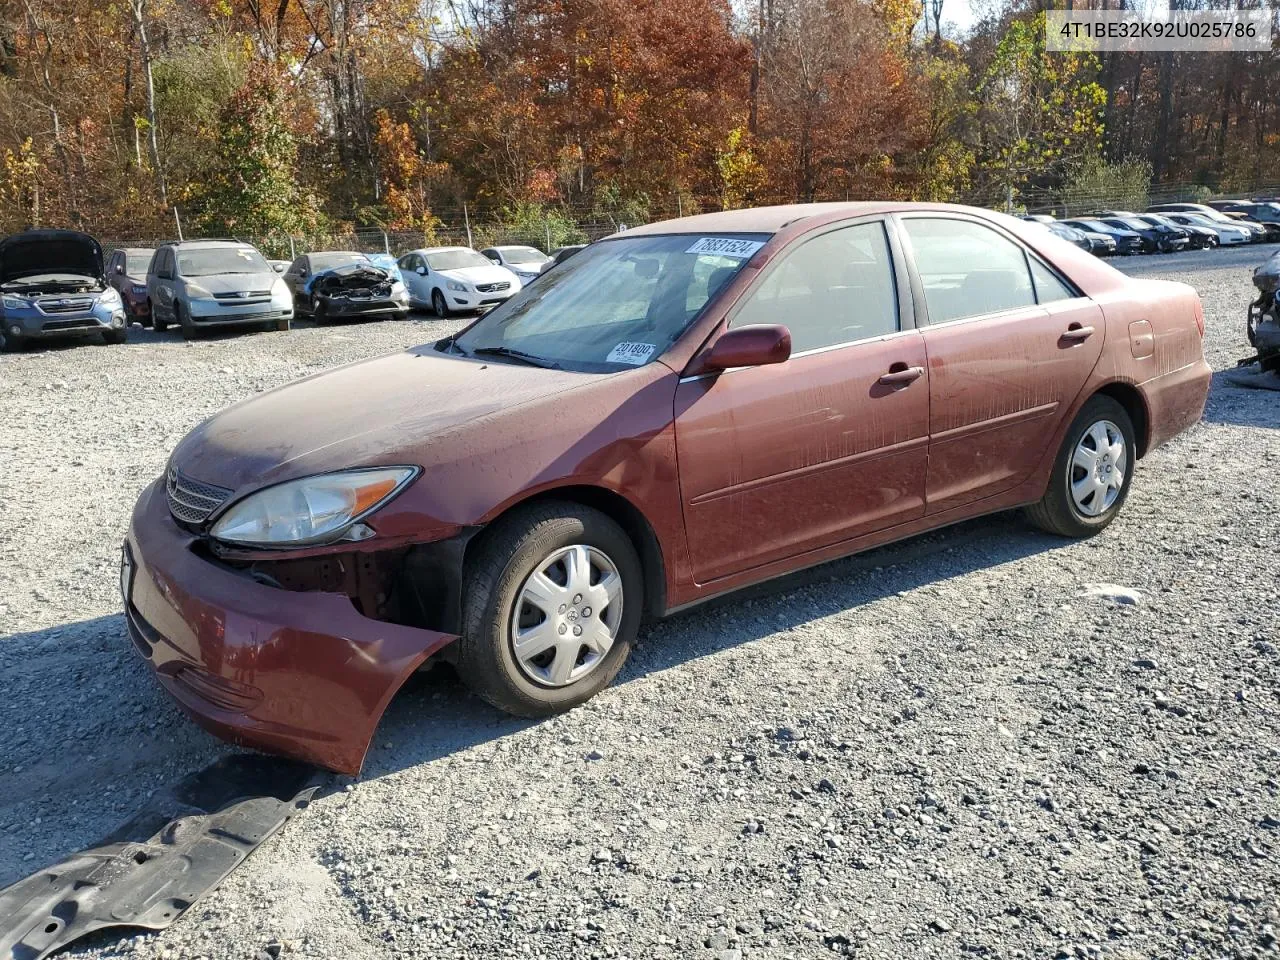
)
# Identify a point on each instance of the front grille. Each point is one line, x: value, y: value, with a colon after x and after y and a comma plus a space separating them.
x: 242, y: 295
x: 77, y: 305
x: 191, y: 501
x: 86, y: 323
x: 493, y: 287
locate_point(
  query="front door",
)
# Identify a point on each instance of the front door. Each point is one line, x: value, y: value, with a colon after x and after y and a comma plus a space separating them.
x: 1010, y: 345
x: 779, y: 460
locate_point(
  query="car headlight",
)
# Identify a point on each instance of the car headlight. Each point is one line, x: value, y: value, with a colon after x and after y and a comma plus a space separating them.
x: 197, y: 292
x: 15, y: 303
x: 110, y: 297
x: 455, y: 285
x: 311, y: 510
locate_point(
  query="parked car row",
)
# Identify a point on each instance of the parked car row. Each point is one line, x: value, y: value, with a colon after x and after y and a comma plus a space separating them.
x: 1169, y: 227
x: 198, y: 285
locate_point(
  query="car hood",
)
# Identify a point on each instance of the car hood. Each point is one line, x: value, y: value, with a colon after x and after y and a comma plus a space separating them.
x: 44, y: 252
x: 489, y: 274
x: 235, y: 282
x: 379, y: 411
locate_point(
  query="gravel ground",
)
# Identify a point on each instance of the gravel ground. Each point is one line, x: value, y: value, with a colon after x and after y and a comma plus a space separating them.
x: 936, y: 748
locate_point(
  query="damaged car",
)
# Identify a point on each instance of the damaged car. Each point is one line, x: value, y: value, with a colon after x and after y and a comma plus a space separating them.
x: 1263, y: 327
x: 676, y: 412
x: 53, y: 285
x: 345, y: 284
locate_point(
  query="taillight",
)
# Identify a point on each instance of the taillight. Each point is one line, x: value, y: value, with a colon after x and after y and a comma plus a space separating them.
x: 1199, y: 317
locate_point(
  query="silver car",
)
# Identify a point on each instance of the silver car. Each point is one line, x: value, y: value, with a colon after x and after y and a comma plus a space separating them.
x: 206, y: 284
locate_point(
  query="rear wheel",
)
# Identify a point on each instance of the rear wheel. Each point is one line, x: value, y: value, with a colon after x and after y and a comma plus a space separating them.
x: 1092, y: 472
x: 438, y: 304
x: 552, y: 605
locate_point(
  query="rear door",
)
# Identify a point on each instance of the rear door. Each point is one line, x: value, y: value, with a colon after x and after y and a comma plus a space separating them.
x: 1010, y: 343
x: 779, y: 460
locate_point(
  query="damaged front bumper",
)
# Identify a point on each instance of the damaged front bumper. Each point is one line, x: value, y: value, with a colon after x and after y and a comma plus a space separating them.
x: 303, y: 674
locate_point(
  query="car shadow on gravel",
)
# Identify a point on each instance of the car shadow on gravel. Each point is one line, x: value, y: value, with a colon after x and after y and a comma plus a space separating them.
x: 433, y: 715
x: 1241, y: 406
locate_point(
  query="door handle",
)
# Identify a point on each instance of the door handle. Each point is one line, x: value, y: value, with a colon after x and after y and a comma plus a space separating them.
x: 902, y: 377
x: 1077, y: 332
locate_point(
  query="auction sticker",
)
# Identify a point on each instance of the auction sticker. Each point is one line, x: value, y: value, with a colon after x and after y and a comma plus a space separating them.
x: 632, y: 353
x: 726, y: 247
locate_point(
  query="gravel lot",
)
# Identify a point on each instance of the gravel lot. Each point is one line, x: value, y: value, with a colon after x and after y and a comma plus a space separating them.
x: 935, y: 748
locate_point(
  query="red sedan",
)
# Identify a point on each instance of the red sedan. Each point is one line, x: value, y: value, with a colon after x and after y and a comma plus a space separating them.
x: 676, y: 412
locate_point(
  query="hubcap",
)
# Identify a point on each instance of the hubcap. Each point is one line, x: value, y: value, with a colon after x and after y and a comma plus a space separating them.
x: 566, y: 615
x: 1097, y: 470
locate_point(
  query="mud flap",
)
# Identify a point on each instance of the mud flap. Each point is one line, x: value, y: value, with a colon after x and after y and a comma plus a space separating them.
x: 150, y: 870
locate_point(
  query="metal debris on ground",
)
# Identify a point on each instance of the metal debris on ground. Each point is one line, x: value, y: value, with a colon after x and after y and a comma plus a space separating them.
x: 150, y: 870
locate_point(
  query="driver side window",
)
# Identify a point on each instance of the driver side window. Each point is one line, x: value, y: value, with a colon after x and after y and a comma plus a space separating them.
x: 836, y: 288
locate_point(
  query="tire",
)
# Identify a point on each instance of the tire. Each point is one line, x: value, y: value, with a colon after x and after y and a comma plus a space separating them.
x: 189, y: 331
x: 494, y: 601
x: 9, y: 343
x: 439, y: 306
x: 1059, y: 511
x: 115, y: 336
x: 319, y: 314
x: 158, y: 323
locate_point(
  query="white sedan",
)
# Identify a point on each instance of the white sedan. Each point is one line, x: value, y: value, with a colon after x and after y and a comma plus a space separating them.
x: 1227, y: 234
x: 525, y: 262
x: 452, y: 279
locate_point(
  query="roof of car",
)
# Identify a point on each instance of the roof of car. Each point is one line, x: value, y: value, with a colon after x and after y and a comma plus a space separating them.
x: 773, y: 219
x: 137, y: 249
x: 207, y: 244
x: 438, y: 249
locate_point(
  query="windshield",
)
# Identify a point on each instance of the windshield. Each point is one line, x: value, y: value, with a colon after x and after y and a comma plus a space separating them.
x: 1136, y: 224
x: 457, y: 260
x: 136, y: 264
x: 1100, y: 226
x: 210, y: 263
x: 327, y: 261
x: 618, y: 303
x: 523, y: 255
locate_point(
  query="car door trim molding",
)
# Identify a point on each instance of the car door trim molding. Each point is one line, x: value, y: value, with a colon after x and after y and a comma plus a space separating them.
x: 982, y: 426
x: 815, y: 468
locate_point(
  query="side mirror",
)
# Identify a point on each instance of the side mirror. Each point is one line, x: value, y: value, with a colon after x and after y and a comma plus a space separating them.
x: 420, y: 271
x: 751, y: 346
x: 278, y: 267
x: 119, y: 268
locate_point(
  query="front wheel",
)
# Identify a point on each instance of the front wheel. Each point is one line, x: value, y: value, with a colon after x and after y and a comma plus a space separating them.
x: 158, y: 323
x: 439, y: 305
x: 183, y: 317
x: 552, y: 604
x: 1092, y: 472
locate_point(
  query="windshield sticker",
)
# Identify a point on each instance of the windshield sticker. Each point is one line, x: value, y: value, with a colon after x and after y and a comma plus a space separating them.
x: 632, y: 353
x: 726, y: 247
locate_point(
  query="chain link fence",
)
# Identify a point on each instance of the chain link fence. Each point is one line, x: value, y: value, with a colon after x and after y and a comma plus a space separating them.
x: 558, y: 225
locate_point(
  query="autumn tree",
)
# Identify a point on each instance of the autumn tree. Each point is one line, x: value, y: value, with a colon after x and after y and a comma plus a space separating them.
x: 1040, y: 113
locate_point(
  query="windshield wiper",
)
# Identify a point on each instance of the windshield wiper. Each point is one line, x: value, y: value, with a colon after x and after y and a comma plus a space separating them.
x: 529, y: 358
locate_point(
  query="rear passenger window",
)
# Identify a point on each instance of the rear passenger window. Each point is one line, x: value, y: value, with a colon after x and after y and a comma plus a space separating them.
x: 1048, y: 286
x: 967, y: 269
x: 835, y: 288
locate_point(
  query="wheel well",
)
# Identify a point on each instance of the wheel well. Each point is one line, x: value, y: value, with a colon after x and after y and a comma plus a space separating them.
x: 1128, y: 397
x: 626, y: 515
